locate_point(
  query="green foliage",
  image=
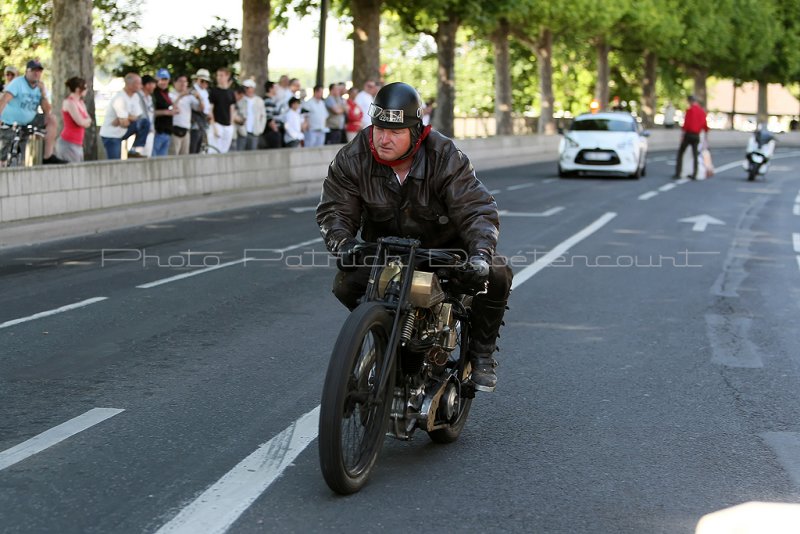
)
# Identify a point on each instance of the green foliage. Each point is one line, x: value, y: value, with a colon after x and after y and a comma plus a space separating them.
x: 217, y: 48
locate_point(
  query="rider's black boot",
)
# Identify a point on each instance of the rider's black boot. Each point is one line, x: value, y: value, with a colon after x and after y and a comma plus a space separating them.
x: 486, y: 318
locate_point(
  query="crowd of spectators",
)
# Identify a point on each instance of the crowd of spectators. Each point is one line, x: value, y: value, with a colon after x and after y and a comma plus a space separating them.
x: 163, y: 114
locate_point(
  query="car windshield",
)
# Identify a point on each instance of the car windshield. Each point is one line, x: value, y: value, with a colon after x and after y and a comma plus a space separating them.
x: 603, y: 125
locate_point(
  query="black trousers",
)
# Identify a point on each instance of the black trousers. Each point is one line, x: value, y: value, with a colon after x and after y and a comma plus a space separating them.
x: 488, y: 308
x: 692, y: 139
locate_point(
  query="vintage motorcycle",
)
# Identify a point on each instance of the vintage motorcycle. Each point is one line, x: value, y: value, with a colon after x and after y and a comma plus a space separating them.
x: 400, y: 361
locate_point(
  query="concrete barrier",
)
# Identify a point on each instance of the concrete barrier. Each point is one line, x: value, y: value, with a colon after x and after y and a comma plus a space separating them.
x: 57, y: 201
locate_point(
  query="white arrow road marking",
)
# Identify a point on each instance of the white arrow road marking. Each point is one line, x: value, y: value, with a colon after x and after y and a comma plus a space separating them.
x: 701, y: 222
x: 55, y: 435
x: 62, y: 309
x: 303, y: 209
x: 217, y: 508
x: 548, y: 213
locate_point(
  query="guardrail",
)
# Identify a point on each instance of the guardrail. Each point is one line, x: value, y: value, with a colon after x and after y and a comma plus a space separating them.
x: 215, y: 182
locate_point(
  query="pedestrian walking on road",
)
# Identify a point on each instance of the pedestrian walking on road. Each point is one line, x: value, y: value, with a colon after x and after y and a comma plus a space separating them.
x: 694, y: 122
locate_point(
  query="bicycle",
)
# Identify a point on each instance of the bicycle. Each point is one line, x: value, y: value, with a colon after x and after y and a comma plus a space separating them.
x: 21, y: 132
x: 205, y: 147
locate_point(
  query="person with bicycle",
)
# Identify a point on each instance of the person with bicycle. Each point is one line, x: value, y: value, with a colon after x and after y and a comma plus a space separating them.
x: 19, y: 105
x: 400, y: 178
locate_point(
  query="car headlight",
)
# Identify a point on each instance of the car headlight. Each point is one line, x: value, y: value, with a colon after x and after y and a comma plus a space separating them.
x: 625, y: 145
x: 571, y: 143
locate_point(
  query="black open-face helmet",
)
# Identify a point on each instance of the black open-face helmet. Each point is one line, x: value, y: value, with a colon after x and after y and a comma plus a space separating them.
x: 397, y: 105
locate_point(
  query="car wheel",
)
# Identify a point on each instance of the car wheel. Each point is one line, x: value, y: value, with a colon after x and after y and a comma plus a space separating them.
x: 561, y: 173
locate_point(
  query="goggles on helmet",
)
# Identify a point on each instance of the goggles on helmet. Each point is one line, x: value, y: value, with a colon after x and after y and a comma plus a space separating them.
x: 394, y: 116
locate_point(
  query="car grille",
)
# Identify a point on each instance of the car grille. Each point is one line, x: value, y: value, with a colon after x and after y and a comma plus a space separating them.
x: 597, y: 157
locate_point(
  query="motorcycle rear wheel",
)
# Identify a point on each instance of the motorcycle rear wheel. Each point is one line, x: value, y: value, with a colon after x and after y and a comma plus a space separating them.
x: 752, y: 172
x: 354, y: 416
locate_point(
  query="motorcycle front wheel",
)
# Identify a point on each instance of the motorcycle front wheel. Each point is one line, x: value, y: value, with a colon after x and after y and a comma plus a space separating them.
x: 752, y: 172
x: 353, y: 414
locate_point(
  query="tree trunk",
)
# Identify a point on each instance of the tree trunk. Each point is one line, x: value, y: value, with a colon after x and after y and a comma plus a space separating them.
x: 445, y: 37
x: 72, y: 56
x: 763, y: 112
x: 254, y: 53
x: 649, y: 89
x: 502, y: 82
x: 366, y: 40
x: 700, y: 92
x: 544, y: 57
x: 603, y: 74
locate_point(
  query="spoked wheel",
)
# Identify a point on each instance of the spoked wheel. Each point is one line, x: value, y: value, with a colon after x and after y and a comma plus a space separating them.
x: 353, y: 414
x: 455, y: 403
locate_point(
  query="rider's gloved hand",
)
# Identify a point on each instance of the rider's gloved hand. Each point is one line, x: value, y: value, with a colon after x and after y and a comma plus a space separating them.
x: 346, y: 254
x: 477, y: 271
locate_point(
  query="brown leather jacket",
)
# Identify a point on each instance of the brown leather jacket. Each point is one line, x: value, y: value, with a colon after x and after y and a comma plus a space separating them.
x: 442, y: 203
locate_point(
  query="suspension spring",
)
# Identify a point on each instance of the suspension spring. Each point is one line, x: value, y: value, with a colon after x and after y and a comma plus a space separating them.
x: 407, y: 328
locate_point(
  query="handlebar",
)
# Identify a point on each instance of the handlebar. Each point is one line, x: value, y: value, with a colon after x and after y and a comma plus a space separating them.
x: 24, y: 129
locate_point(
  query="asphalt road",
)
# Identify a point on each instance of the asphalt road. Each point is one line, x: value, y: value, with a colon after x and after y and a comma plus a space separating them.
x: 648, y: 374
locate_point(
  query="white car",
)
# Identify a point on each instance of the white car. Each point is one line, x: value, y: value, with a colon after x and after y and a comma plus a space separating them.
x: 608, y: 143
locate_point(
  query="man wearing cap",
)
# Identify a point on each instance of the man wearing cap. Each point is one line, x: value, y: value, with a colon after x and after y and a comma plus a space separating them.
x: 255, y: 114
x: 125, y: 118
x: 400, y: 178
x: 19, y: 105
x: 201, y: 109
x: 164, y: 110
x: 9, y: 73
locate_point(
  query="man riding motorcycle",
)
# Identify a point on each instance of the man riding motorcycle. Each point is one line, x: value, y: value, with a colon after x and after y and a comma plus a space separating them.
x: 400, y: 178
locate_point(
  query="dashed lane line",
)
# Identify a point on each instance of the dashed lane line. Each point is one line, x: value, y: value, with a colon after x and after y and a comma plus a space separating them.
x: 223, y: 265
x: 648, y: 195
x: 219, y: 506
x: 55, y: 435
x: 48, y: 313
x: 796, y: 242
x: 520, y: 186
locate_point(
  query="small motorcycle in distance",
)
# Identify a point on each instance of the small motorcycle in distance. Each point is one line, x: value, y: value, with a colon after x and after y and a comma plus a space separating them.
x: 759, y: 151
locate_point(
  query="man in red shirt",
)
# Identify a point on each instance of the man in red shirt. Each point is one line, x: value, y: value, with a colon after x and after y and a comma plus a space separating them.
x: 694, y: 122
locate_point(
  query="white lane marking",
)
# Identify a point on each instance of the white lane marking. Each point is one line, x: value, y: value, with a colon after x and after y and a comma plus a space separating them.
x: 303, y: 209
x: 549, y: 180
x: 659, y: 159
x: 683, y: 181
x: 222, y: 265
x: 495, y: 191
x: 787, y: 448
x: 798, y: 261
x: 217, y: 508
x: 667, y: 187
x: 796, y: 209
x: 519, y: 186
x: 55, y: 435
x: 62, y: 309
x: 727, y: 166
x: 559, y: 250
x: 548, y: 213
x: 796, y: 242
x: 648, y: 195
